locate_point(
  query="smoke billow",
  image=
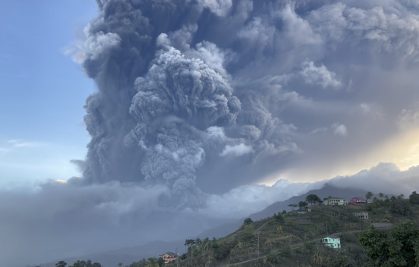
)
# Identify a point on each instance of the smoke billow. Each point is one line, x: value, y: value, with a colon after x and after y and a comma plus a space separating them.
x: 169, y: 104
x: 204, y: 96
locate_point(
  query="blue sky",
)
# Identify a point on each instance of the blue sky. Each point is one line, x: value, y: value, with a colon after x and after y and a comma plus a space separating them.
x: 42, y: 91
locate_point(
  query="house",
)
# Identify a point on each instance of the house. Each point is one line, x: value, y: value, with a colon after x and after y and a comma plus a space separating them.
x: 362, y: 215
x: 334, y: 201
x: 168, y: 257
x: 357, y: 201
x: 331, y: 242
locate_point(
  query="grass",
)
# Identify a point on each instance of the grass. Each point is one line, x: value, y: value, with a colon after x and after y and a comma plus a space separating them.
x: 293, y: 239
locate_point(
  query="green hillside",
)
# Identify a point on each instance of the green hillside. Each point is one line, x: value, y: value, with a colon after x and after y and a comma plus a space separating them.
x: 388, y: 237
x: 293, y: 238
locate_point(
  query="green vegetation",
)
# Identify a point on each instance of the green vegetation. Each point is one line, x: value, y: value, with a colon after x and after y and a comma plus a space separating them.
x: 150, y: 262
x: 313, y: 199
x: 369, y: 195
x: 302, y: 204
x: 414, y: 198
x: 78, y: 264
x: 294, y: 238
x: 397, y: 247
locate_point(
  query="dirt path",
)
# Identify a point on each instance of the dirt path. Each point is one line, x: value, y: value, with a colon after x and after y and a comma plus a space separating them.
x: 246, y: 261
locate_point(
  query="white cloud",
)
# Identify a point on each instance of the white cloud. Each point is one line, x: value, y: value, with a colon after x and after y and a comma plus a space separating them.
x: 298, y: 30
x: 216, y: 132
x: 319, y: 75
x: 219, y: 7
x: 385, y: 177
x: 336, y: 128
x: 17, y: 143
x: 244, y: 200
x: 339, y: 129
x: 92, y: 47
x: 408, y: 118
x: 236, y: 150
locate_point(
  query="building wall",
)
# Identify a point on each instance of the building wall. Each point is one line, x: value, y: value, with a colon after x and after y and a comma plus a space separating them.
x: 335, y: 202
x: 331, y: 242
x: 361, y: 215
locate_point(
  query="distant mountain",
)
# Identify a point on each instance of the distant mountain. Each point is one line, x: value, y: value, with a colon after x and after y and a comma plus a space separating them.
x: 325, y: 191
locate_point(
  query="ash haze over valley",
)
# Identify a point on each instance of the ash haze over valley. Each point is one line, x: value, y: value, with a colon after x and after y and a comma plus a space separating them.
x: 206, y: 111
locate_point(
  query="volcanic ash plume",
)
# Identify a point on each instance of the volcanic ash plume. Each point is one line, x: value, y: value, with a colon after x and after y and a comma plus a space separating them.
x: 167, y: 108
x: 202, y: 96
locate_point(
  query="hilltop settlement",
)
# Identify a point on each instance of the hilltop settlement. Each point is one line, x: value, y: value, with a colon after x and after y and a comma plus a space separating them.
x: 371, y: 230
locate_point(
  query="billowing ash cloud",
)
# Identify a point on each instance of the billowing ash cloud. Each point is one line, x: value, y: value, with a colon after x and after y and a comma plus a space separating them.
x: 166, y: 83
x: 205, y: 95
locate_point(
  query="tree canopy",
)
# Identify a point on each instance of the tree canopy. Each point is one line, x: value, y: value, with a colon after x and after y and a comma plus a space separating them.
x: 398, y: 247
x: 313, y: 198
x: 414, y: 198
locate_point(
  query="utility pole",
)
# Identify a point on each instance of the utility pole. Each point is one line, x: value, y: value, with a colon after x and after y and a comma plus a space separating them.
x: 177, y: 258
x: 258, y: 244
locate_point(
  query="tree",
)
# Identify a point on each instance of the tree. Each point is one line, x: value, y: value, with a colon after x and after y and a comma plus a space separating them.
x: 87, y: 263
x: 302, y: 204
x: 414, y: 198
x: 248, y: 221
x: 278, y: 217
x: 398, y: 247
x: 293, y: 206
x: 400, y: 207
x: 61, y: 264
x: 189, y: 242
x: 369, y: 195
x: 313, y: 199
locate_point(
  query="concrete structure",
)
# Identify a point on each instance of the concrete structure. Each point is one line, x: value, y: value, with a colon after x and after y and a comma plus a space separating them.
x: 331, y: 242
x: 362, y: 215
x: 168, y: 257
x: 333, y: 201
x: 357, y: 201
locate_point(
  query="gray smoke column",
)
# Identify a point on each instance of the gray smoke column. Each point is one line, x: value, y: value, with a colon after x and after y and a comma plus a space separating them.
x: 207, y: 95
x: 169, y: 109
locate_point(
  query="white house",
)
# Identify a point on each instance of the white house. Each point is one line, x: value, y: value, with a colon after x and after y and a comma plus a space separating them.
x: 362, y: 215
x: 334, y: 201
x: 331, y: 242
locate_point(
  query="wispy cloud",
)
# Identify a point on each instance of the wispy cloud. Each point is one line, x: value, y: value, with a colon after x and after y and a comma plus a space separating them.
x: 18, y: 143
